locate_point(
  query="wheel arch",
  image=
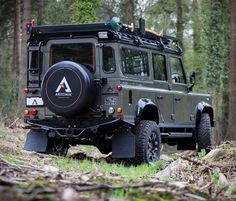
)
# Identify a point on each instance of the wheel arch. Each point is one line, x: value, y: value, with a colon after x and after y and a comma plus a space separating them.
x: 204, y: 107
x: 146, y: 110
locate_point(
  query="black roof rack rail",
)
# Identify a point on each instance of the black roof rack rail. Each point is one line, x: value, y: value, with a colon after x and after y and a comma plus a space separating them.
x: 126, y: 33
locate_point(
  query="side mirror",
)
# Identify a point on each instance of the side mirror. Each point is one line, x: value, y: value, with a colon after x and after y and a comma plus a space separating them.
x: 192, y: 77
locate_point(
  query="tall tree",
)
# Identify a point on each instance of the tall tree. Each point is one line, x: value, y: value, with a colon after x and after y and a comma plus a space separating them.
x: 128, y: 11
x: 40, y: 12
x: 17, y: 44
x: 215, y: 50
x: 23, y: 66
x: 196, y: 26
x: 231, y: 131
x: 180, y: 22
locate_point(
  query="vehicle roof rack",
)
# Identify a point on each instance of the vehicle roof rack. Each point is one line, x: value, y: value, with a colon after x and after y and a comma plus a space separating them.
x: 138, y: 36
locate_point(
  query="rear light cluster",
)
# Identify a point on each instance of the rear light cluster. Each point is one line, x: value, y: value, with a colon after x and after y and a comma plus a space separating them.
x: 33, y: 112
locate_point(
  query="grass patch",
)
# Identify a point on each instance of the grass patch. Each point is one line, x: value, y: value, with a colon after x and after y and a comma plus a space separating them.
x: 11, y: 159
x: 131, y: 172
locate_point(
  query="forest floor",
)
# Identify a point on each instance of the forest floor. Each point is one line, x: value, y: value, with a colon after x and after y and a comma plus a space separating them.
x: 85, y: 174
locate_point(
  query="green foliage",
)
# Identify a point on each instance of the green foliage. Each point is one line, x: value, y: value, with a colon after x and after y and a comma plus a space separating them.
x: 167, y: 179
x: 8, y: 87
x: 57, y: 12
x: 215, y: 32
x: 11, y: 159
x: 165, y: 14
x: 202, y: 153
x: 234, y: 190
x: 130, y: 172
x: 84, y: 11
x: 215, y: 177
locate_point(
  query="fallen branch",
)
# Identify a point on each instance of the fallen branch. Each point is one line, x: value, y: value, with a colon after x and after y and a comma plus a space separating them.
x: 13, y: 123
x: 124, y: 186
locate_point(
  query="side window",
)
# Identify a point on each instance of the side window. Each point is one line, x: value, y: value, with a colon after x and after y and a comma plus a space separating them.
x: 134, y: 62
x: 177, y: 73
x: 159, y: 67
x: 109, y: 65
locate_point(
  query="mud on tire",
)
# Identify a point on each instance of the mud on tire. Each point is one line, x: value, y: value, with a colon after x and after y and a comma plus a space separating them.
x: 147, y: 142
x: 204, y: 132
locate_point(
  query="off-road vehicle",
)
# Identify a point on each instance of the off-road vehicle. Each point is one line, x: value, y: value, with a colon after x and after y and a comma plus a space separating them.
x: 120, y: 88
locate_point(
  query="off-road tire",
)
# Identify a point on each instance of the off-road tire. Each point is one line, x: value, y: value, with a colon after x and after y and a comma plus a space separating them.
x: 147, y: 142
x: 57, y: 147
x: 204, y: 133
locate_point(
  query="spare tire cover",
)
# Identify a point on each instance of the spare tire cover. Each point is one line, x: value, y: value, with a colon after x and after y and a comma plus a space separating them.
x: 67, y: 88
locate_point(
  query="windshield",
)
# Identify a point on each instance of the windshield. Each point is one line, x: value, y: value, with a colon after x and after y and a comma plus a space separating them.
x: 82, y: 53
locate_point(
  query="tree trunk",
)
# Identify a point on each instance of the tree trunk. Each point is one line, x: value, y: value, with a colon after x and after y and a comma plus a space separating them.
x: 231, y: 131
x: 40, y: 12
x: 17, y: 44
x: 128, y: 10
x: 196, y: 27
x: 23, y: 66
x: 180, y: 22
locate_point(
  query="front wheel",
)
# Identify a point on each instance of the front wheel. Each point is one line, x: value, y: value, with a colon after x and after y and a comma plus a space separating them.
x: 147, y: 142
x: 204, y: 133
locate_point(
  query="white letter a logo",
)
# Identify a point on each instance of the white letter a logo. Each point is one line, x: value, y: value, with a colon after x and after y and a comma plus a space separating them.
x: 64, y: 85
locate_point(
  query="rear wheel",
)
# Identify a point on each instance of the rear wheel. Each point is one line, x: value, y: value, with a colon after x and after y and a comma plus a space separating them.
x: 204, y: 133
x: 147, y: 142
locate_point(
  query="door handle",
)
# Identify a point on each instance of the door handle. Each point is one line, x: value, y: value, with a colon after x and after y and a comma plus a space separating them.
x: 177, y: 99
x: 159, y: 97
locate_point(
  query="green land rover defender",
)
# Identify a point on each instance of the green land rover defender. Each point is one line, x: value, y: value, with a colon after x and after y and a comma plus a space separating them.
x: 120, y: 88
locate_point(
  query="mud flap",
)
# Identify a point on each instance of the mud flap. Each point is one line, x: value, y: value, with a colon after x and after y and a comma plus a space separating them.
x: 36, y: 141
x: 123, y: 145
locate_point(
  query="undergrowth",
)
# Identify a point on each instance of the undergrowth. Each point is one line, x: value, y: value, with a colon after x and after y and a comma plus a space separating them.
x: 130, y: 172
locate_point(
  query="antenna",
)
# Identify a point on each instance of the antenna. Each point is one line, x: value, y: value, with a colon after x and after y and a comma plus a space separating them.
x: 142, y: 26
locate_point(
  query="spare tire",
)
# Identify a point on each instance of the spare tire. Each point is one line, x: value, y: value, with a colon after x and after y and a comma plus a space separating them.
x: 67, y: 88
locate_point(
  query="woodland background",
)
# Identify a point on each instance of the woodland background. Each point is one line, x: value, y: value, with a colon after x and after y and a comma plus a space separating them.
x: 206, y: 30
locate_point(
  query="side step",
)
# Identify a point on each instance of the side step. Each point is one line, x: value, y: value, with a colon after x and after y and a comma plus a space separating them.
x: 176, y: 135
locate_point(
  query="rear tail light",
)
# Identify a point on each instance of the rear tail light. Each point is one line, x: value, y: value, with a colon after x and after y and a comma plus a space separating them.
x: 118, y: 87
x: 26, y: 112
x: 34, y: 112
x: 26, y: 90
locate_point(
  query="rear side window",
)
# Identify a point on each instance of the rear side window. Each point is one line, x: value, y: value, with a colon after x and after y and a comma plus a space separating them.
x: 108, y: 60
x: 159, y: 67
x: 134, y: 62
x: 82, y: 53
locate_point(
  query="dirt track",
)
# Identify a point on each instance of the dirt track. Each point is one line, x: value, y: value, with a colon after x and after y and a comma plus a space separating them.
x: 186, y: 176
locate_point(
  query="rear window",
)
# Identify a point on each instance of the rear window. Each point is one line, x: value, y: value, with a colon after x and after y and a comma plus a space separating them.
x: 82, y: 53
x: 134, y: 62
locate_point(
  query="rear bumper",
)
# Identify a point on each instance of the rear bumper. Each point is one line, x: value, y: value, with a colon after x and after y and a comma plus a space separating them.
x: 70, y: 129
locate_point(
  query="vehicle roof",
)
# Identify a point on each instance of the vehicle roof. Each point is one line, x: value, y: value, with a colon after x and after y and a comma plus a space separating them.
x: 125, y: 34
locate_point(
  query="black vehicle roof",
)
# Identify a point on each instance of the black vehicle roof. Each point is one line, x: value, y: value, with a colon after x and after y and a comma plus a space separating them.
x: 47, y: 32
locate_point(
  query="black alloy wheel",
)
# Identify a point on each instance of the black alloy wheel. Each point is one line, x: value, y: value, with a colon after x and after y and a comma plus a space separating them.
x: 153, y: 152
